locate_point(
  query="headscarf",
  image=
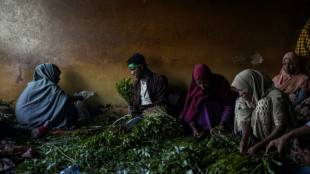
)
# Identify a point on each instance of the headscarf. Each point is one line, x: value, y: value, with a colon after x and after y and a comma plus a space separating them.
x: 220, y: 89
x: 260, y: 85
x: 42, y: 99
x: 47, y: 71
x: 290, y: 83
x: 252, y: 81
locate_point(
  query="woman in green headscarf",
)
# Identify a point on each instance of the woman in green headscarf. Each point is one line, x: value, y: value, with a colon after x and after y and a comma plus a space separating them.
x: 262, y: 112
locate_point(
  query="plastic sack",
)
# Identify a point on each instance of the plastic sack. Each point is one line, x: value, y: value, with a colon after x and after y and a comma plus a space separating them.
x: 84, y: 94
x: 71, y: 170
x: 83, y: 113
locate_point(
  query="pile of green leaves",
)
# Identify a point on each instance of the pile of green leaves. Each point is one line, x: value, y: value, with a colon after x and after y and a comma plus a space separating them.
x: 237, y: 163
x: 104, y: 119
x: 159, y: 127
x: 7, y: 118
x: 156, y: 145
x: 125, y: 88
x: 5, y: 103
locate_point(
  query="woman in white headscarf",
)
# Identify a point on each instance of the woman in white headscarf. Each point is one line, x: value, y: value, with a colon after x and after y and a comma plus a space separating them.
x: 262, y: 112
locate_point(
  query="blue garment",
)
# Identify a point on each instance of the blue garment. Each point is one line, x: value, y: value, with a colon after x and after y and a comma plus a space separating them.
x: 302, y: 95
x: 134, y: 121
x: 303, y: 171
x: 43, y: 100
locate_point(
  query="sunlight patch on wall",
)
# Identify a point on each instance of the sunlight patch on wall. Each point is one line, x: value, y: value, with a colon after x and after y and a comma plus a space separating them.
x: 255, y: 59
x: 22, y: 26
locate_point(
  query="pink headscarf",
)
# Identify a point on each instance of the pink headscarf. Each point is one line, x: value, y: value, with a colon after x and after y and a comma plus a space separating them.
x: 201, y: 71
x: 220, y: 89
x: 290, y: 83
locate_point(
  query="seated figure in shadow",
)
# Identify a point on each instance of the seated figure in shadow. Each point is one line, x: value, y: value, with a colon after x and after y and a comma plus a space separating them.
x: 262, y: 112
x: 150, y: 89
x: 209, y: 102
x: 44, y: 106
x: 295, y: 84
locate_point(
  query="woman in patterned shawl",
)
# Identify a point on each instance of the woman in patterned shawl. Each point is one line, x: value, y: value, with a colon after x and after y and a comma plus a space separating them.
x: 262, y: 112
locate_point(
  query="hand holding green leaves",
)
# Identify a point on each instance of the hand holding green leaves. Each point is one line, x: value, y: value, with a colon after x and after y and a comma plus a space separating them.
x: 126, y: 90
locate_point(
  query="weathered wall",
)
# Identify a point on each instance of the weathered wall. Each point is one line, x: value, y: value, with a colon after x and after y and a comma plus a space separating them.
x: 90, y: 40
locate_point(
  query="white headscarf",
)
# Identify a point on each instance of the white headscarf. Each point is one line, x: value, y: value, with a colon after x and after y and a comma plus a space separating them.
x: 252, y: 81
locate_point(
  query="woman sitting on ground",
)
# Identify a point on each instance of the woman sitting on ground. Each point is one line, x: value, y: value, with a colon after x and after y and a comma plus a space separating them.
x: 295, y: 84
x: 43, y: 105
x: 262, y: 112
x: 209, y: 102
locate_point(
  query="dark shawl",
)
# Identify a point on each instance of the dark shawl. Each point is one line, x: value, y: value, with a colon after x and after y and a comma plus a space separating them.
x: 220, y: 89
x: 42, y: 99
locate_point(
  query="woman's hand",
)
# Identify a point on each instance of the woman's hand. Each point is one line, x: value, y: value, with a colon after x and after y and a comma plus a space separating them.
x: 196, y: 133
x: 243, y: 146
x: 214, y: 131
x: 278, y: 144
x: 254, y: 149
x: 246, y: 130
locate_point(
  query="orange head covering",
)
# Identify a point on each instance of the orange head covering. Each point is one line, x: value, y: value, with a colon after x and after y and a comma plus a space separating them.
x: 290, y: 83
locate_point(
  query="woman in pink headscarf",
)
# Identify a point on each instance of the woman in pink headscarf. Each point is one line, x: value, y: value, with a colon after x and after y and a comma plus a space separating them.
x: 209, y: 103
x: 295, y: 84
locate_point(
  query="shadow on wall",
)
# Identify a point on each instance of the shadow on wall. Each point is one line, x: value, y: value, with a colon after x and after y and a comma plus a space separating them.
x: 177, y: 96
x: 72, y: 79
x: 154, y: 63
x: 94, y: 105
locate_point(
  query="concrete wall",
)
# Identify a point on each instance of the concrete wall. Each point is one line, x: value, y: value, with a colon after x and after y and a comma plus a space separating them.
x: 90, y: 40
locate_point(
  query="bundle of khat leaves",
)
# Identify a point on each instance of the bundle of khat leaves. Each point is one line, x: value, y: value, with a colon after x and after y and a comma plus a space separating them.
x: 158, y: 125
x: 125, y: 88
x: 155, y: 110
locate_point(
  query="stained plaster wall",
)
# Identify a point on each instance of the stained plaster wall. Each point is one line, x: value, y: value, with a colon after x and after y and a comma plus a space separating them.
x: 90, y: 40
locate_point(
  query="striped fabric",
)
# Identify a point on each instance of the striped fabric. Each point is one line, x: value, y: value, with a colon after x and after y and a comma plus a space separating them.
x: 303, y: 48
